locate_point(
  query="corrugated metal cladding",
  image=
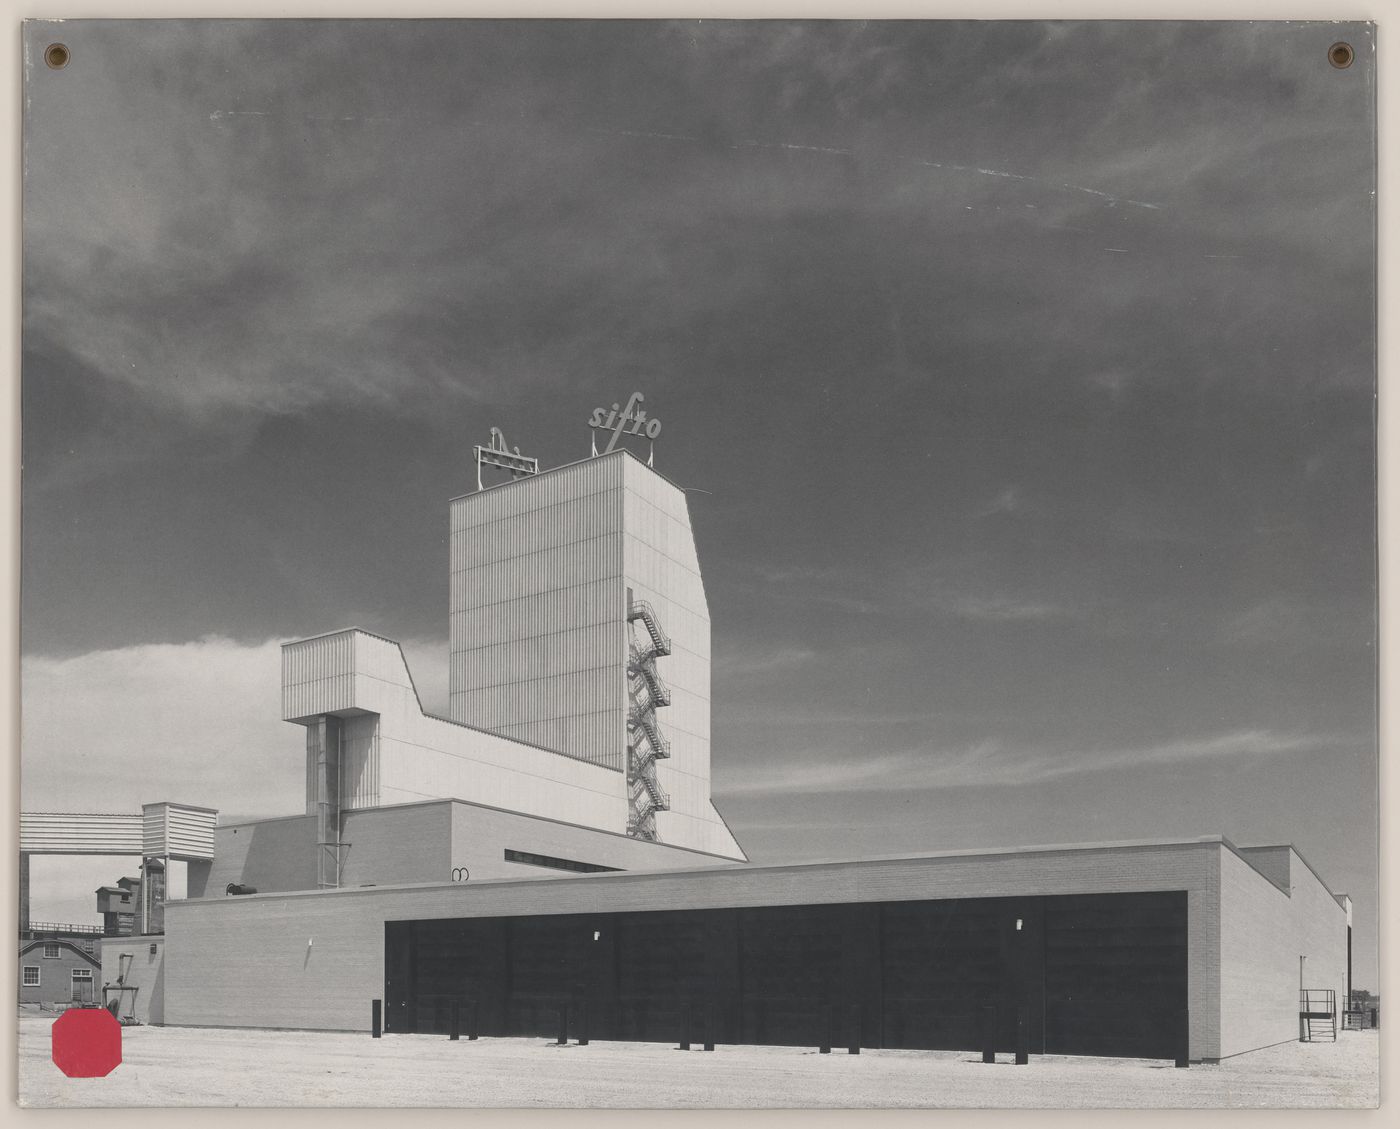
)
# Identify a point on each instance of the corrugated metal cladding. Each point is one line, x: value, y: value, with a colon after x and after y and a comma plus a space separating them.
x: 546, y: 699
x: 552, y: 654
x: 181, y: 832
x: 71, y: 833
x: 600, y: 601
x: 318, y: 675
x: 533, y: 530
x: 538, y: 610
x: 561, y: 566
x: 153, y: 830
x: 359, y: 768
x: 563, y: 484
x: 662, y: 568
x: 589, y: 731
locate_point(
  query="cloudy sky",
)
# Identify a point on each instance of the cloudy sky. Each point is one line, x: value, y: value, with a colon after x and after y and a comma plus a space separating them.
x: 1023, y: 375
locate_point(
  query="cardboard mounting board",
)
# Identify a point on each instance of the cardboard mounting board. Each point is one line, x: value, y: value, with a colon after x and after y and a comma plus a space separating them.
x: 310, y: 295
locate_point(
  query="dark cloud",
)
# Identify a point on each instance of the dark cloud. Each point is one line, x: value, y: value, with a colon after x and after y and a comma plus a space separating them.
x: 1028, y: 367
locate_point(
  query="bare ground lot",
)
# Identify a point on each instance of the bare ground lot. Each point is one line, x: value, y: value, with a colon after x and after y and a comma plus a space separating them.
x: 188, y: 1066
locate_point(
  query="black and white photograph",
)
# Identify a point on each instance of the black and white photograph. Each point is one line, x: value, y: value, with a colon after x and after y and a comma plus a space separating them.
x: 698, y: 564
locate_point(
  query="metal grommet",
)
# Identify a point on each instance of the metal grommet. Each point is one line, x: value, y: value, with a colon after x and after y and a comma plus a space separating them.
x: 1340, y: 55
x: 56, y: 55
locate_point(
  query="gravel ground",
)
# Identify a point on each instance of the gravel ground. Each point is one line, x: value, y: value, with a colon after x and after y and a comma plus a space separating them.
x: 188, y: 1066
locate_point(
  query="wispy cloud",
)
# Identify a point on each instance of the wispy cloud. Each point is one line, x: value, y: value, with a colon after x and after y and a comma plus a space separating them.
x: 757, y: 659
x: 924, y: 590
x: 1008, y: 501
x: 992, y: 763
x: 199, y: 721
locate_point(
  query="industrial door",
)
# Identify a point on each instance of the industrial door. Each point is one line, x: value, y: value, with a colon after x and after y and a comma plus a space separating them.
x: 951, y: 967
x: 1115, y: 974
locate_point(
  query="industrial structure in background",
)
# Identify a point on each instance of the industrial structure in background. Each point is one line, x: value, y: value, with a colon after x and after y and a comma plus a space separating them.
x: 546, y: 858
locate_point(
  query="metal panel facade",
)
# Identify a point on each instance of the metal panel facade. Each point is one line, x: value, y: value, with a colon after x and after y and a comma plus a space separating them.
x: 68, y: 833
x: 663, y: 568
x: 317, y: 675
x: 537, y: 611
x: 177, y: 831
x: 393, y: 753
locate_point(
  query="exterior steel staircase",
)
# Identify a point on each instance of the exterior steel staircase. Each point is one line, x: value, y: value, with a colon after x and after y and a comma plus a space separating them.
x: 1317, y: 1015
x: 641, y: 610
x: 646, y: 743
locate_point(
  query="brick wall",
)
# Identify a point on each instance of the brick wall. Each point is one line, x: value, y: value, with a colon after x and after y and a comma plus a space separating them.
x: 146, y: 973
x: 315, y: 960
x: 1264, y: 930
x: 272, y: 854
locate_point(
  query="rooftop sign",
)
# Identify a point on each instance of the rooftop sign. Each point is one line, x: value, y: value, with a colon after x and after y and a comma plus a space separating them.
x: 617, y: 420
x: 498, y: 454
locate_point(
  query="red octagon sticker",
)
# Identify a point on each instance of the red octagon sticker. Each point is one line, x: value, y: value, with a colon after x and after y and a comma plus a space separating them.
x: 87, y: 1042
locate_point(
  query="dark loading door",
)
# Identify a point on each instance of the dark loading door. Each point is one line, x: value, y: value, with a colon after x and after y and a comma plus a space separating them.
x: 1115, y: 974
x: 1021, y: 994
x: 949, y: 966
x: 793, y: 967
x: 399, y: 1013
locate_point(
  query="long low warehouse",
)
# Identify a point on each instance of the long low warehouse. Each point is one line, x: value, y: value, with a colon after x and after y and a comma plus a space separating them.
x: 1106, y: 949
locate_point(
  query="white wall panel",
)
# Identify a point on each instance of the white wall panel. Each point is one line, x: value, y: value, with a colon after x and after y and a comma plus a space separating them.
x: 537, y: 609
x: 70, y: 833
x: 394, y: 753
x: 317, y: 675
x: 662, y: 567
x: 359, y: 765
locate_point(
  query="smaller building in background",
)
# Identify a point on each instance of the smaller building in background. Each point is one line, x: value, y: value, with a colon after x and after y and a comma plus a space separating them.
x: 117, y: 905
x: 58, y: 972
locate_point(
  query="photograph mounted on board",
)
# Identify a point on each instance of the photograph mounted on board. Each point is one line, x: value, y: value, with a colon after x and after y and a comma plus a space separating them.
x: 550, y: 542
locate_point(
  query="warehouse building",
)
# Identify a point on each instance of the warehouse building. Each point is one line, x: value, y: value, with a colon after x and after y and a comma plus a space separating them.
x: 551, y: 847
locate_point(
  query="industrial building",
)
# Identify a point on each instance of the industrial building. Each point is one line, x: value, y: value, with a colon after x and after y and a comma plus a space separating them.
x: 550, y: 849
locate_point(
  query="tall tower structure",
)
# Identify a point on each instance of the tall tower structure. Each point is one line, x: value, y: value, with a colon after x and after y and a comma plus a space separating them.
x: 579, y: 625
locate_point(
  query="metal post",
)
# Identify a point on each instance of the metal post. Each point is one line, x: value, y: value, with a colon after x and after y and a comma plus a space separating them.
x: 563, y: 1024
x: 854, y: 1048
x: 685, y: 1028
x: 1183, y: 1040
x: 1023, y: 1033
x: 711, y: 1023
x: 471, y: 1020
x: 989, y: 1034
x: 24, y: 891
x: 455, y: 1032
x: 825, y: 1048
x: 376, y: 1015
x: 583, y: 1023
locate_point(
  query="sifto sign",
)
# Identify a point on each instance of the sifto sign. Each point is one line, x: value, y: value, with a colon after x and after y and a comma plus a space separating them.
x: 87, y: 1042
x: 618, y: 420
